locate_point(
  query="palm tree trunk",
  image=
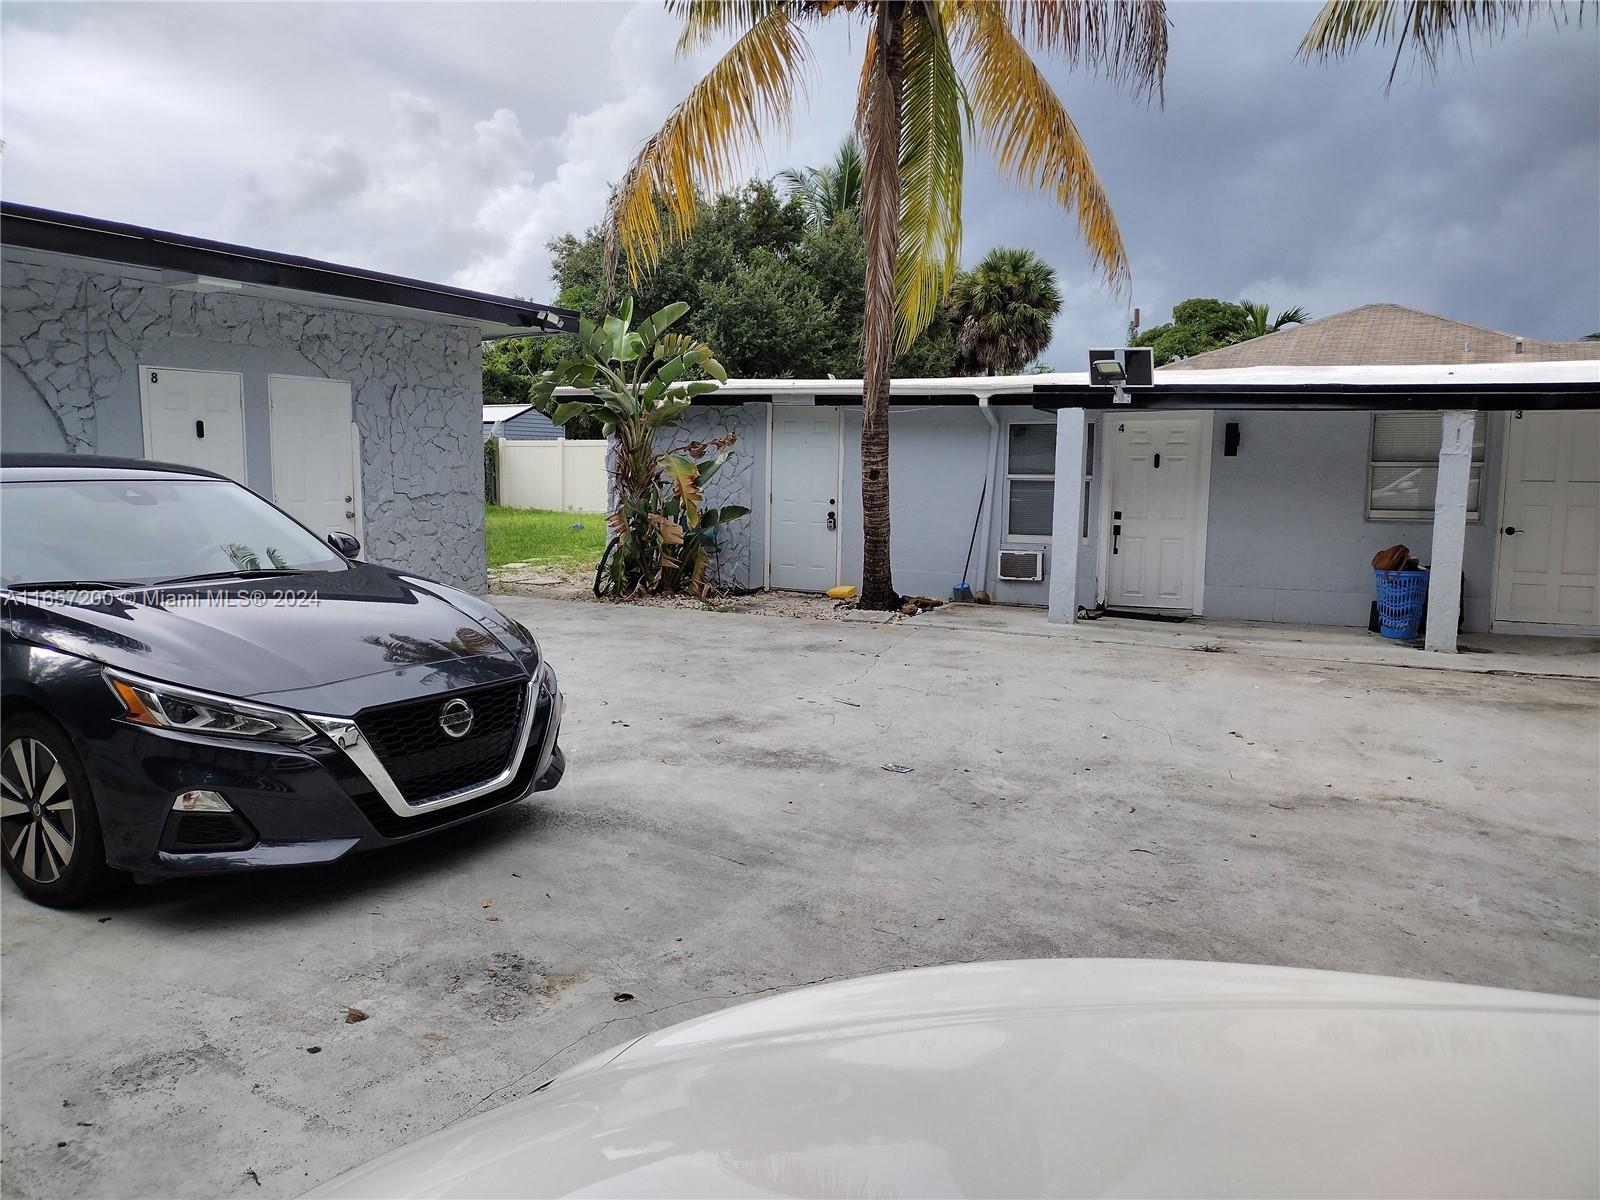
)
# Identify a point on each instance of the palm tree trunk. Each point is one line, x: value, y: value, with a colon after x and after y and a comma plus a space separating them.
x: 880, y: 204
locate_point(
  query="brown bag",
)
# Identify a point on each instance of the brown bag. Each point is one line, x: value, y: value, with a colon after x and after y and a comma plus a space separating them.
x: 1392, y: 559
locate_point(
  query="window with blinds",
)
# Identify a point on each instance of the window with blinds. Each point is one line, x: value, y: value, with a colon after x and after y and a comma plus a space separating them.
x: 1403, y: 470
x: 1030, y: 480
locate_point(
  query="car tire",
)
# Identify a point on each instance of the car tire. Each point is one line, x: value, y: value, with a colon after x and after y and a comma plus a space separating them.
x: 50, y: 837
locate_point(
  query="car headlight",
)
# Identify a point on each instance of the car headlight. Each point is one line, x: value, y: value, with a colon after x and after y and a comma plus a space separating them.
x: 164, y: 706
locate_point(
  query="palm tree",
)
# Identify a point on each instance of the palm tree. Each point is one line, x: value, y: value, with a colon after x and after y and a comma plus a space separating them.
x: 932, y: 69
x: 1428, y: 26
x: 828, y: 191
x: 1002, y: 310
x: 1257, y: 323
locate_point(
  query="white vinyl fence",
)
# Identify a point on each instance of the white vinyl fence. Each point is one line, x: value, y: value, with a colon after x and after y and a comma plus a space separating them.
x: 566, y: 474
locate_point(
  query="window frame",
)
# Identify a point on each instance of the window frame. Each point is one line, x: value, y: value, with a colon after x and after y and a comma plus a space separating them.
x: 1474, y: 516
x: 1027, y: 477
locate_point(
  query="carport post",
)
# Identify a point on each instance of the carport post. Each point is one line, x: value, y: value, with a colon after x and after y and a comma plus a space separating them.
x: 1449, y: 530
x: 1066, y: 516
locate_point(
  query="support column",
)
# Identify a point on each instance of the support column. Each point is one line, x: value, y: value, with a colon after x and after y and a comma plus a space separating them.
x: 1449, y: 530
x: 1067, y: 516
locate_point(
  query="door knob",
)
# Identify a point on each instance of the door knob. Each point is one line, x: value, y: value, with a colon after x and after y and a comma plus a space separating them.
x: 1510, y: 529
x: 833, y: 522
x: 351, y: 513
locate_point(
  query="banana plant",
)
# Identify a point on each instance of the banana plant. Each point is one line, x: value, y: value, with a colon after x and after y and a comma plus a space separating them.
x: 640, y: 383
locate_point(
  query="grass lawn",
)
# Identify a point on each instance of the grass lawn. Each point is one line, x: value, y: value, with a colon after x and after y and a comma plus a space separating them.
x: 534, y: 535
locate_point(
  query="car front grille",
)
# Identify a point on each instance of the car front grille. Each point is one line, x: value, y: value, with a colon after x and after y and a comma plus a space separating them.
x: 424, y: 761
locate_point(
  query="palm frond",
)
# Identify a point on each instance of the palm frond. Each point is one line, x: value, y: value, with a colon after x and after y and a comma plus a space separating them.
x: 753, y: 85
x: 707, y: 20
x: 933, y: 112
x: 1292, y: 316
x: 1125, y: 40
x: 1034, y: 141
x: 1428, y: 26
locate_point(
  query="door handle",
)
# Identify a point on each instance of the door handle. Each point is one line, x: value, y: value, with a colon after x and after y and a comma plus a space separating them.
x: 833, y: 522
x: 1158, y: 462
x: 351, y: 513
x: 1116, y: 532
x: 1510, y: 529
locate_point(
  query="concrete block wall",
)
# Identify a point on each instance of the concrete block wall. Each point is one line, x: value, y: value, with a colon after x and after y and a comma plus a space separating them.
x: 72, y: 339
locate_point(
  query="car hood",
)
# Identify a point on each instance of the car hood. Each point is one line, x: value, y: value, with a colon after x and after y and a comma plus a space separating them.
x: 305, y: 640
x: 1085, y: 1077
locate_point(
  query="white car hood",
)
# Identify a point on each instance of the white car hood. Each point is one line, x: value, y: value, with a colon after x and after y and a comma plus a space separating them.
x: 1072, y: 1077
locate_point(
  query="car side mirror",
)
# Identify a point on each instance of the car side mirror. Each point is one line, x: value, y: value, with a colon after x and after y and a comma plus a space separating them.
x: 346, y: 544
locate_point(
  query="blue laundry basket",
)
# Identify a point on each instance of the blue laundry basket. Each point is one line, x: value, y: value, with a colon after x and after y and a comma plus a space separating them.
x: 1401, y: 598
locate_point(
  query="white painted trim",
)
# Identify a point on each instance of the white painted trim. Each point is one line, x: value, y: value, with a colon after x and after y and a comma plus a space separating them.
x: 1543, y: 629
x: 244, y: 425
x: 766, y: 520
x: 1006, y: 535
x: 359, y: 491
x: 1207, y: 427
x: 1206, y: 420
x: 838, y: 500
x: 1499, y: 521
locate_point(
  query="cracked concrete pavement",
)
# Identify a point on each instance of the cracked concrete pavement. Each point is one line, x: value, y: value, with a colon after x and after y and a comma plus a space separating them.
x: 726, y: 829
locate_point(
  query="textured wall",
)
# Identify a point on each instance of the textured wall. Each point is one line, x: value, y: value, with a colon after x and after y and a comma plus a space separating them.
x: 72, y: 341
x: 737, y: 563
x: 1289, y: 539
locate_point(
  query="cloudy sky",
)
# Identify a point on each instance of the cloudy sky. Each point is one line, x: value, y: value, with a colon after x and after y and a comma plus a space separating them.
x: 452, y: 141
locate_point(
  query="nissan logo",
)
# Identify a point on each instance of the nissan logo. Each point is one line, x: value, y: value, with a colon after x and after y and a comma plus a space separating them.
x: 455, y: 718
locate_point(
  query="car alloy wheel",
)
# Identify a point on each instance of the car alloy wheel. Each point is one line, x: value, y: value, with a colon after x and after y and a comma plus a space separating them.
x: 38, y: 820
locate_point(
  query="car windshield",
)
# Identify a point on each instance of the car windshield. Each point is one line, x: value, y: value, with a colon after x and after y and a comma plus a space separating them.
x: 146, y: 531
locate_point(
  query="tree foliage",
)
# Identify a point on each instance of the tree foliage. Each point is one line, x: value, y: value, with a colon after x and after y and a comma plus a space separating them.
x: 1203, y: 324
x: 1003, y: 310
x: 642, y: 381
x: 829, y: 191
x: 778, y: 297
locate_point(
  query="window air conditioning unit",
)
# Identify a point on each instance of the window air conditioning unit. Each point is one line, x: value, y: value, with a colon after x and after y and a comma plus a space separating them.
x: 1026, y: 566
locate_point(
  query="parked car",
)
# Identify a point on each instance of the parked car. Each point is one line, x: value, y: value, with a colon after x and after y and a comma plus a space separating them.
x: 1068, y: 1077
x: 194, y: 682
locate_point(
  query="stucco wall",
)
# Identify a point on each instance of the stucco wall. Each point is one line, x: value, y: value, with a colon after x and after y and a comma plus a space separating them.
x: 937, y: 459
x: 741, y: 480
x: 72, y: 341
x: 1288, y: 537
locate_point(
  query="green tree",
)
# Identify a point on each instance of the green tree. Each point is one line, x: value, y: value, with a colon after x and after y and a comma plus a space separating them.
x: 935, y: 72
x: 1197, y: 325
x: 830, y: 190
x: 640, y: 383
x: 778, y: 298
x: 1259, y: 324
x: 1002, y: 311
x: 1202, y: 324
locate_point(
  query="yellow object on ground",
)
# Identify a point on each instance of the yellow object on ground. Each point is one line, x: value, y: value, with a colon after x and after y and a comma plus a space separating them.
x: 846, y: 592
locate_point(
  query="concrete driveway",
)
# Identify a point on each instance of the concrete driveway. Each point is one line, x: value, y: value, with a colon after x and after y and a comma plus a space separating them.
x: 726, y: 828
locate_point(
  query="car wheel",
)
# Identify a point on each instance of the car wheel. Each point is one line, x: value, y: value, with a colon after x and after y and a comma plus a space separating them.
x: 49, y: 829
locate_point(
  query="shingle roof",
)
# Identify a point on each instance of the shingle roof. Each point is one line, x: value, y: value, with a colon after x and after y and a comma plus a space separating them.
x: 1384, y: 335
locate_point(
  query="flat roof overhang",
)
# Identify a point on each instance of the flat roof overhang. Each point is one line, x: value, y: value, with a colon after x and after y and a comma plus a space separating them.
x: 1167, y: 397
x: 43, y: 229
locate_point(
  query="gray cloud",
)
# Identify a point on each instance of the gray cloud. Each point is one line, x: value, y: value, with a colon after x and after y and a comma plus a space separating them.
x: 453, y: 141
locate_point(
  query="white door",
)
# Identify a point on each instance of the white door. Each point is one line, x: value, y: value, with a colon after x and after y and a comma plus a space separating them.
x: 195, y: 418
x: 315, y: 453
x: 1549, y: 562
x: 1158, y: 482
x: 805, y: 498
